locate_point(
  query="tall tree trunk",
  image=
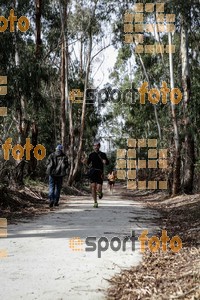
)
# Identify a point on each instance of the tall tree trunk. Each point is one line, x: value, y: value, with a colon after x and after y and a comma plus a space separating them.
x: 155, y: 108
x: 33, y: 161
x: 22, y: 122
x: 64, y: 70
x: 38, y: 8
x: 63, y: 115
x: 23, y: 128
x: 78, y: 156
x: 81, y: 58
x: 67, y: 105
x: 189, y: 153
x: 38, y: 49
x: 176, y: 185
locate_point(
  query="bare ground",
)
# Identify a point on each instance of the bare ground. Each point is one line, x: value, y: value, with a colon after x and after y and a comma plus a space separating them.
x: 28, y: 202
x: 166, y: 275
x: 160, y: 275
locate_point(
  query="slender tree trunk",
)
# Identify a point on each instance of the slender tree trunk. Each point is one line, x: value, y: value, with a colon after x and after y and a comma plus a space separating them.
x: 78, y: 156
x: 155, y: 108
x: 23, y: 128
x: 38, y: 51
x: 64, y: 70
x: 176, y: 185
x: 33, y: 161
x: 22, y: 123
x: 81, y: 58
x: 189, y: 153
x: 66, y: 105
x: 38, y: 8
x: 63, y: 115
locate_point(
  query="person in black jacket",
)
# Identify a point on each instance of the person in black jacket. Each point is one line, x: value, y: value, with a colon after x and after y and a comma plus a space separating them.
x: 97, y: 159
x: 57, y: 164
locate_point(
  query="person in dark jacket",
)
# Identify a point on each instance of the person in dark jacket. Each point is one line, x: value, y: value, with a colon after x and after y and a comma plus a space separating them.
x: 57, y: 164
x: 97, y: 159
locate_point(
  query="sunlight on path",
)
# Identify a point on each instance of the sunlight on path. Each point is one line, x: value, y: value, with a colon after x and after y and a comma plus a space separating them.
x: 41, y: 264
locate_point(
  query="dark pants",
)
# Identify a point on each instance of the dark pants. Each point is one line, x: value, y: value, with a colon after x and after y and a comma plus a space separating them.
x: 55, y: 185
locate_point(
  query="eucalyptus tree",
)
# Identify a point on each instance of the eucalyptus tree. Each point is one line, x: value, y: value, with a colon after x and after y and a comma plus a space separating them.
x: 157, y: 68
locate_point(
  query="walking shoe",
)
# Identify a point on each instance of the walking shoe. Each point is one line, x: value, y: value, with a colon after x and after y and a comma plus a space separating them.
x: 100, y: 194
x: 56, y: 204
x: 95, y: 204
x: 51, y: 204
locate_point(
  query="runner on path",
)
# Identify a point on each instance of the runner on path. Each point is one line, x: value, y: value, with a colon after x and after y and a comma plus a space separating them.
x: 97, y: 159
x: 111, y: 180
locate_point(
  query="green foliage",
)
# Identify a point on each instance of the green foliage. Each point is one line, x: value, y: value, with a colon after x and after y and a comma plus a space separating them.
x: 37, y: 80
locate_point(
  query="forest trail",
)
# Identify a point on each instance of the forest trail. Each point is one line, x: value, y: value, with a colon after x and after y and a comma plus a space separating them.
x: 40, y: 263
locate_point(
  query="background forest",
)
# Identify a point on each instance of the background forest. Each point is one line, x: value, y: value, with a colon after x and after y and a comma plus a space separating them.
x: 61, y: 51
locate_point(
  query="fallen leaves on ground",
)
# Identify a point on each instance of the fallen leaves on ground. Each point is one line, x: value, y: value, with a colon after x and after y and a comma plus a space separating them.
x: 166, y: 275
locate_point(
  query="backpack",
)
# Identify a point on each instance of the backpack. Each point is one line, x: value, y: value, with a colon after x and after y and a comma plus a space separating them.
x: 57, y: 165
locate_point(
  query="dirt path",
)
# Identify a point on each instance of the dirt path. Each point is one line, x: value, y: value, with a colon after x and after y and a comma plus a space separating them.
x: 40, y: 263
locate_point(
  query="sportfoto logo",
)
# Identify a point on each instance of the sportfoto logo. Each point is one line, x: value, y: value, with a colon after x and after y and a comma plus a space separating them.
x: 154, y: 94
x: 23, y: 23
x: 116, y: 244
x: 115, y: 95
x: 18, y: 151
